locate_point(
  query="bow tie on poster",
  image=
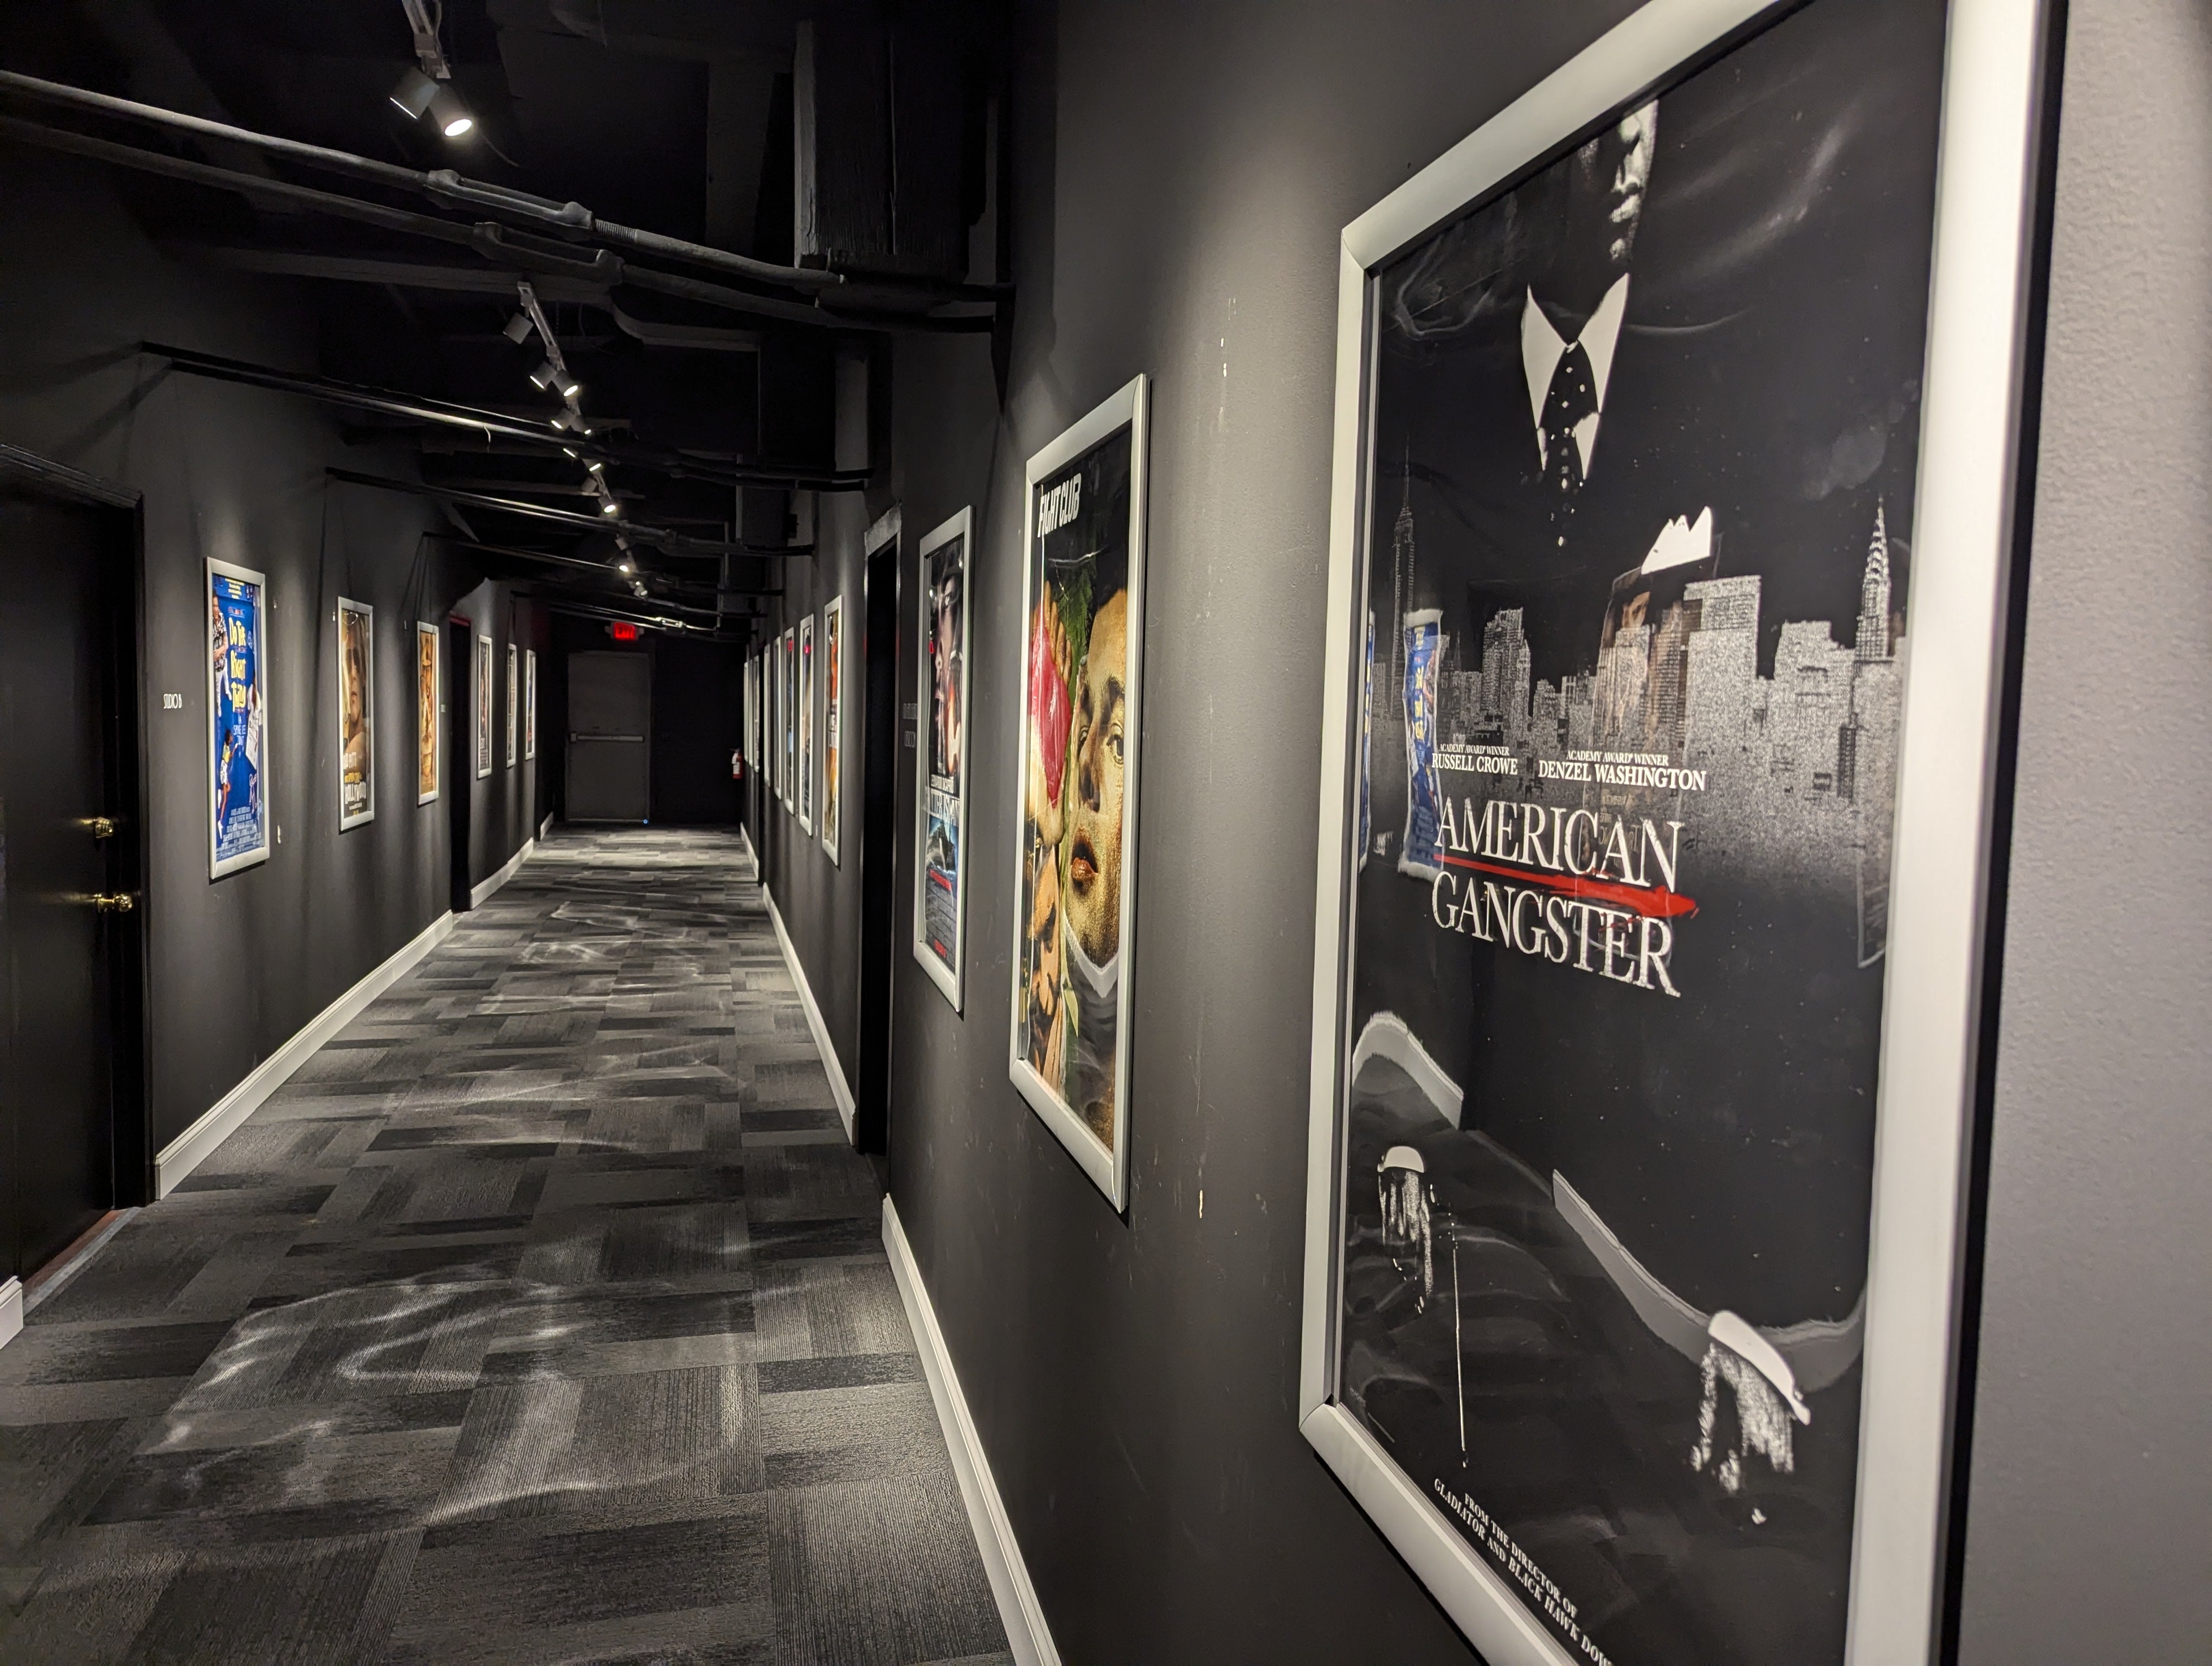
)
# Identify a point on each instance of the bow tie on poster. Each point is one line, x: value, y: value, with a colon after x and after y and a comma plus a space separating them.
x: 1567, y: 385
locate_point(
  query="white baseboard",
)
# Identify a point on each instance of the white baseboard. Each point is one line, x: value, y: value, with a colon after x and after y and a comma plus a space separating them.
x: 839, y: 1088
x: 191, y: 1148
x: 545, y: 827
x: 11, y: 1310
x: 1019, y: 1611
x: 481, y: 894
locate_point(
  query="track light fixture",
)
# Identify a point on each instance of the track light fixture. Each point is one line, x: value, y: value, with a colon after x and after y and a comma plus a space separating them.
x: 518, y: 329
x: 545, y: 375
x: 414, y: 93
x: 611, y: 506
x: 418, y: 94
x: 594, y: 465
x: 625, y: 566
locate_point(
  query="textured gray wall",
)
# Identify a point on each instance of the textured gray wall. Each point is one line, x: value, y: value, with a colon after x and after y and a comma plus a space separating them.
x: 238, y: 965
x: 2089, y: 1524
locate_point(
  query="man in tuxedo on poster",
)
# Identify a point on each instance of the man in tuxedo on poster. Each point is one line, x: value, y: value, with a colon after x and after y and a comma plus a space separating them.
x: 1704, y: 320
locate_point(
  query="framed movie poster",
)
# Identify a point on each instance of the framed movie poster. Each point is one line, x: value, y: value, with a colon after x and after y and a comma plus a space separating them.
x: 787, y: 693
x: 833, y: 716
x: 238, y: 709
x: 808, y: 760
x: 484, y: 706
x: 1075, y: 892
x: 1671, y: 495
x: 529, y: 703
x: 428, y: 729
x: 357, y: 623
x: 940, y: 796
x: 514, y: 700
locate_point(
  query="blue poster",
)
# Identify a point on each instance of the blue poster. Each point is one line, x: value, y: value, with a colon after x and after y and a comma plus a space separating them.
x: 238, y: 795
x: 1423, y: 648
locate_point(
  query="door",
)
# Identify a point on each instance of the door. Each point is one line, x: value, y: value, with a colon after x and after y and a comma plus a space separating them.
x: 881, y: 938
x: 67, y: 862
x: 610, y: 717
x: 459, y: 694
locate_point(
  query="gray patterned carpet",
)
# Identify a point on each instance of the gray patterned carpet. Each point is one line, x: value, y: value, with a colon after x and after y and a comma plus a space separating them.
x: 543, y: 1317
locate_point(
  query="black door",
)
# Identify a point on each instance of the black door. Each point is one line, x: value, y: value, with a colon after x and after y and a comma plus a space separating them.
x: 879, y: 933
x: 67, y: 863
x: 460, y: 786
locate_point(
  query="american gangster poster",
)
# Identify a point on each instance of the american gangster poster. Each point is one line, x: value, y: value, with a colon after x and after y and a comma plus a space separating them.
x: 833, y: 716
x: 1073, y: 840
x: 427, y: 727
x: 938, y: 911
x: 484, y: 706
x: 238, y: 707
x: 1641, y: 489
x: 356, y: 714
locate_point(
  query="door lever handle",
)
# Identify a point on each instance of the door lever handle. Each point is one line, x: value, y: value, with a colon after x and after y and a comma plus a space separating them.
x: 100, y: 827
x: 113, y: 901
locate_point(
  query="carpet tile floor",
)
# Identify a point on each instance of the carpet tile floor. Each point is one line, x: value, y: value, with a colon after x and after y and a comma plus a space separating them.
x: 543, y: 1316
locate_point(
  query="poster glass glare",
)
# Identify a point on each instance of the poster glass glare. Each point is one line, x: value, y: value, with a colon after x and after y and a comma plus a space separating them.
x: 356, y: 623
x: 1620, y: 1260
x: 239, y: 829
x: 940, y: 796
x: 1075, y: 806
x: 833, y: 693
x: 484, y: 706
x: 806, y: 724
x: 427, y: 727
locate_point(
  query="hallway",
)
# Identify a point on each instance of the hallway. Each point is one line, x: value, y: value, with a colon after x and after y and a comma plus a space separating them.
x: 543, y: 1316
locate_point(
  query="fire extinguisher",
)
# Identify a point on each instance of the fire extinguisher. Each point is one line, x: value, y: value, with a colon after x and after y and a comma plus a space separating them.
x: 737, y: 765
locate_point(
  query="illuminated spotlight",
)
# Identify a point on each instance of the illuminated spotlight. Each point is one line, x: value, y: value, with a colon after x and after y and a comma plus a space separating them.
x: 595, y: 465
x: 611, y: 506
x: 570, y: 387
x: 414, y: 93
x: 518, y: 329
x: 624, y: 566
x: 570, y: 451
x: 452, y: 116
x: 545, y: 375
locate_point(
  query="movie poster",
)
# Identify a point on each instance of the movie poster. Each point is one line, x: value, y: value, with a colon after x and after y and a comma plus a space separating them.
x: 788, y: 692
x: 1074, y: 899
x: 529, y: 704
x: 940, y: 800
x: 833, y: 689
x: 1643, y: 449
x: 514, y: 700
x: 356, y: 714
x: 428, y: 729
x: 238, y: 708
x: 806, y: 724
x: 484, y: 706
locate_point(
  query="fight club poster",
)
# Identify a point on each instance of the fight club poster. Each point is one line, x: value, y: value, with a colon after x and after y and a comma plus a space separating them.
x: 1629, y: 639
x: 941, y: 794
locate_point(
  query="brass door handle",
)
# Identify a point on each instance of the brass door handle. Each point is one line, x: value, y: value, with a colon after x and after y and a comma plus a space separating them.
x: 113, y: 901
x: 100, y: 827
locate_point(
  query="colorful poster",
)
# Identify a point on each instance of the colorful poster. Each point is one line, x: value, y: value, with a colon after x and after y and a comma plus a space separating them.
x: 788, y: 695
x: 484, y: 706
x: 513, y: 702
x: 529, y: 704
x: 238, y: 829
x: 1075, y: 871
x: 428, y: 729
x: 356, y: 714
x: 806, y: 724
x: 940, y: 790
x: 1643, y: 447
x: 833, y: 690
x: 1365, y: 830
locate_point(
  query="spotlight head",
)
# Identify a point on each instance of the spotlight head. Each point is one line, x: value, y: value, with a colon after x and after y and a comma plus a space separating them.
x: 518, y: 329
x: 595, y: 465
x: 624, y: 566
x: 545, y: 376
x: 414, y: 93
x: 453, y: 118
x: 570, y: 451
x: 570, y: 388
x: 611, y: 506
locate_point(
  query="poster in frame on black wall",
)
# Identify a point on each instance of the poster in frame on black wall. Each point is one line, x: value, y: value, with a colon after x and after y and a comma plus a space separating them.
x: 940, y: 787
x: 1675, y: 421
x: 786, y: 694
x: 529, y: 704
x: 514, y: 704
x: 1081, y: 671
x: 357, y: 665
x: 806, y: 724
x: 239, y: 826
x: 483, y: 706
x: 428, y: 731
x: 833, y: 726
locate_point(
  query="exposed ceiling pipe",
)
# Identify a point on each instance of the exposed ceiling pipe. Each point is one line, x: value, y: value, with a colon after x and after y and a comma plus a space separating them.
x: 569, y: 220
x: 680, y: 544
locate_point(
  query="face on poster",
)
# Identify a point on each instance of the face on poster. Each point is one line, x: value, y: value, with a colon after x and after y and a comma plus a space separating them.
x: 940, y: 798
x: 427, y: 727
x: 238, y: 705
x: 833, y: 688
x: 513, y: 702
x: 1074, y: 853
x: 806, y: 723
x: 356, y: 714
x: 484, y: 706
x: 530, y: 703
x: 1630, y: 639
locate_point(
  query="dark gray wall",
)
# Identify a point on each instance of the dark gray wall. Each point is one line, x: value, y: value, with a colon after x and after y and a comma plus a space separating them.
x: 1182, y: 175
x: 505, y: 807
x: 2089, y: 1526
x: 239, y: 964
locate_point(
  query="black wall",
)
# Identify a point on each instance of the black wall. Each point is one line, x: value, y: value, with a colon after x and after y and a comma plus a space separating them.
x: 239, y: 964
x: 697, y: 708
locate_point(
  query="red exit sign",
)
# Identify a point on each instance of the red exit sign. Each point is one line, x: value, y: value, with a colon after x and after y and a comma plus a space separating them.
x: 622, y: 631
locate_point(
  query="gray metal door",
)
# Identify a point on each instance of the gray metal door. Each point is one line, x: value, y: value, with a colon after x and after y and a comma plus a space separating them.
x: 610, y: 718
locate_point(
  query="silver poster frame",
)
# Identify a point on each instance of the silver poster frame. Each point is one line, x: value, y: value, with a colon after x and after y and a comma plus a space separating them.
x: 220, y: 866
x: 530, y: 705
x: 950, y: 981
x: 1978, y: 348
x: 367, y: 613
x: 830, y: 811
x: 482, y: 694
x: 1128, y: 407
x: 513, y: 706
x: 806, y: 725
x: 429, y: 632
